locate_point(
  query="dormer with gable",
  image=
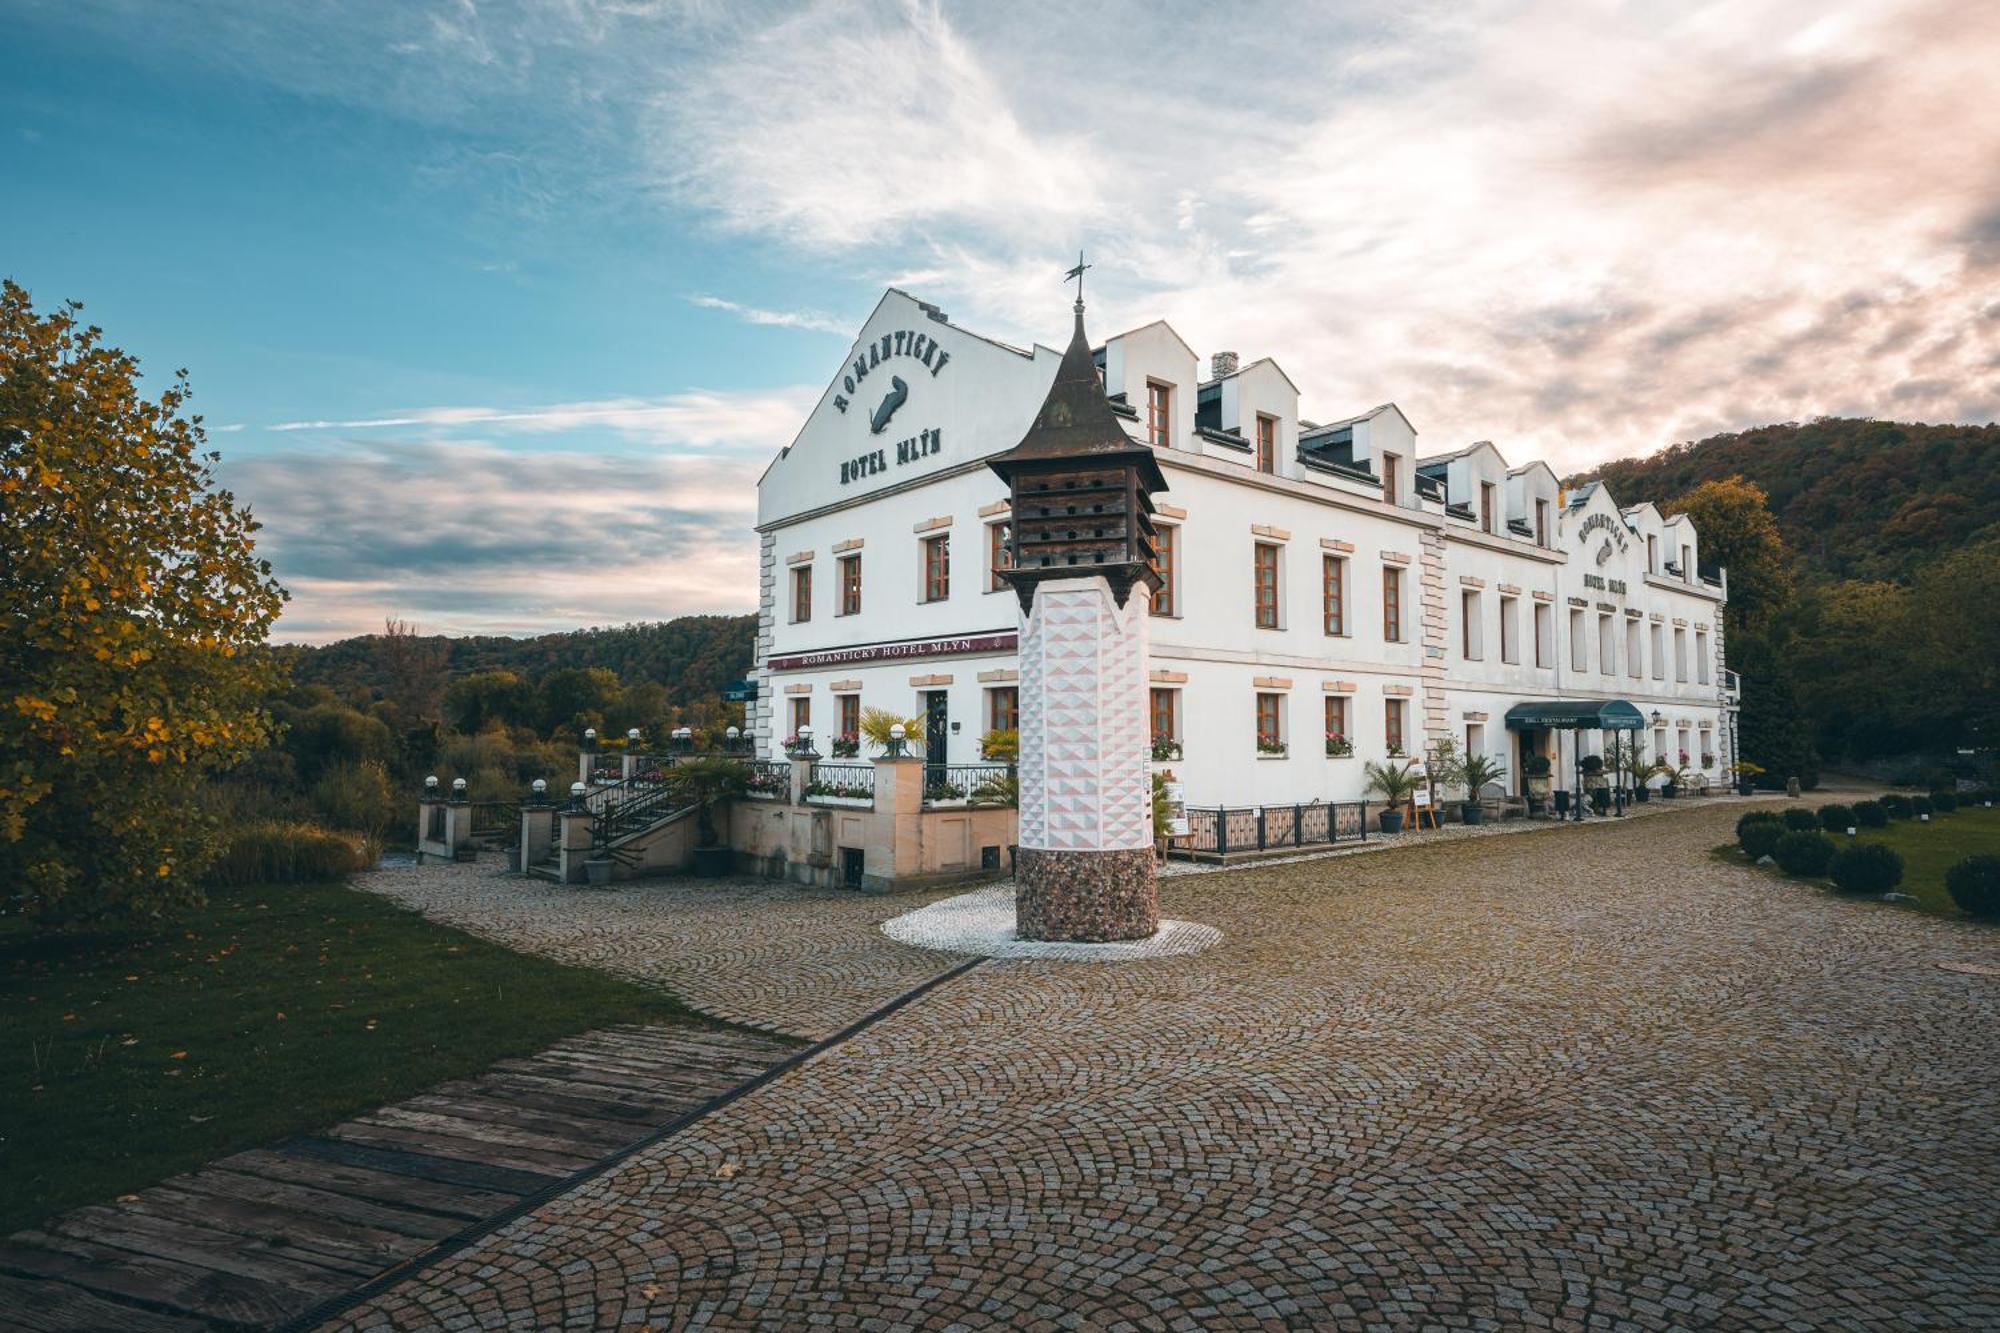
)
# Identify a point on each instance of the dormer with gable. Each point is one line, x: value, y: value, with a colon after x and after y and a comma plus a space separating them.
x: 1533, y: 496
x: 1150, y: 376
x: 1376, y: 450
x: 1475, y: 486
x: 1251, y: 413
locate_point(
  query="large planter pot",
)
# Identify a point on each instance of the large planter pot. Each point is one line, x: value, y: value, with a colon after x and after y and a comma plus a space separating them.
x: 1746, y: 789
x: 1391, y: 821
x: 1600, y: 799
x: 1562, y: 801
x: 712, y: 862
x: 1471, y: 813
x: 1642, y: 794
x: 1668, y: 792
x: 597, y: 874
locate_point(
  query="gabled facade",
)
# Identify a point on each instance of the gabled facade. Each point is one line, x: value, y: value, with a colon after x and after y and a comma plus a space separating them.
x: 1315, y: 577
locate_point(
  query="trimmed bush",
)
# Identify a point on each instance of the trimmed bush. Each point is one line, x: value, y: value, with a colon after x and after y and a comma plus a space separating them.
x: 1757, y: 817
x: 1803, y: 853
x: 1921, y: 805
x: 1801, y: 820
x: 1759, y: 838
x: 1867, y: 867
x: 1836, y: 818
x: 279, y: 853
x: 1898, y: 806
x: 1870, y: 814
x: 1974, y: 884
x: 1945, y: 801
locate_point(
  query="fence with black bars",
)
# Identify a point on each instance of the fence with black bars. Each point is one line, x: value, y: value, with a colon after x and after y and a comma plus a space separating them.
x: 1262, y: 828
x: 841, y: 782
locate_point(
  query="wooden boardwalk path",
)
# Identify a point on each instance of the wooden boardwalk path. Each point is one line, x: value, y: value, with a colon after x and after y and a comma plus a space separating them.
x: 257, y: 1239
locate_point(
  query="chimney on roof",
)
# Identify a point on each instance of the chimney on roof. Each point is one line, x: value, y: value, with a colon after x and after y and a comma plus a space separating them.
x: 1222, y: 363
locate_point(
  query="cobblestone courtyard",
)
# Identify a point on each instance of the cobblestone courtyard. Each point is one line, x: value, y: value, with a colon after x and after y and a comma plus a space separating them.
x: 1574, y: 1078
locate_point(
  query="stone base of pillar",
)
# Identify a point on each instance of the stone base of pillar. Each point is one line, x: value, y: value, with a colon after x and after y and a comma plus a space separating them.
x: 1086, y: 897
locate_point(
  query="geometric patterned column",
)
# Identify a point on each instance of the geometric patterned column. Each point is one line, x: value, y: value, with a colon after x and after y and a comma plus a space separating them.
x: 1085, y: 868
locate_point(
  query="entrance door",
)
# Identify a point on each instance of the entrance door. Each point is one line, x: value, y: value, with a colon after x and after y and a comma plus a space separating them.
x: 1530, y: 746
x: 937, y: 725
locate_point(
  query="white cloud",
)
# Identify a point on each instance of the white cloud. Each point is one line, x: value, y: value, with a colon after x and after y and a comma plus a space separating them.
x: 783, y: 319
x: 697, y: 419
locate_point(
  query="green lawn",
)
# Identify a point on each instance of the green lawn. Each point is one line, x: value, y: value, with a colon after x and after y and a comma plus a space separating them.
x: 1931, y: 849
x: 127, y: 1058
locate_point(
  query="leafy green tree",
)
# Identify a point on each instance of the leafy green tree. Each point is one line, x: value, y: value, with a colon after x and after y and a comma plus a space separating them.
x: 1733, y: 522
x: 328, y: 735
x: 576, y: 697
x: 472, y: 702
x: 134, y: 605
x: 1772, y: 730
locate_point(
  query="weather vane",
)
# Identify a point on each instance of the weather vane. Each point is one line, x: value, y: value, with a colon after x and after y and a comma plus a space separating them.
x: 1077, y: 273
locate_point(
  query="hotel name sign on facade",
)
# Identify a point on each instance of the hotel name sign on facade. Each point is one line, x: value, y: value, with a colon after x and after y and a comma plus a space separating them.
x: 905, y: 343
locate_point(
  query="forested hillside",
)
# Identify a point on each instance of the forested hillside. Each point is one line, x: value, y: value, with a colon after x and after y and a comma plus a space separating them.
x: 1854, y: 499
x: 1861, y: 600
x: 692, y: 658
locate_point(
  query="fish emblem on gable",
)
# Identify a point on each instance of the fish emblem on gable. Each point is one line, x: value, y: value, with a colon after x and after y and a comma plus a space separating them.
x: 878, y: 420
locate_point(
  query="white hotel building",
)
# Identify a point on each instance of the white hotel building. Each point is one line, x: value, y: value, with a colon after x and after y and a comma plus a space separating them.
x: 1320, y: 577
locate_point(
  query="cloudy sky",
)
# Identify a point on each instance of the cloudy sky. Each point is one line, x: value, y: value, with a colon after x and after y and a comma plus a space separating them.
x: 498, y: 309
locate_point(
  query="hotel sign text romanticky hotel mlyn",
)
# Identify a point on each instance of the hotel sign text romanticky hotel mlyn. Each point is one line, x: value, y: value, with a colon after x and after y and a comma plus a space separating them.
x: 910, y: 345
x: 996, y: 642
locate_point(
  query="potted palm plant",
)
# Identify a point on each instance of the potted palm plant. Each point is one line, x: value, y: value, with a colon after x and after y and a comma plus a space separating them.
x: 705, y: 783
x: 1475, y: 773
x: 1641, y: 767
x: 1395, y: 784
x: 1746, y: 774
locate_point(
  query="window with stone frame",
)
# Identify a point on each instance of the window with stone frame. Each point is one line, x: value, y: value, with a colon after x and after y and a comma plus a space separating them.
x: 849, y: 706
x: 937, y: 567
x: 1267, y: 443
x: 850, y: 584
x: 1392, y: 724
x: 1472, y: 641
x: 1510, y: 629
x: 1392, y: 603
x: 1003, y: 708
x: 1336, y: 719
x: 999, y: 554
x: 802, y: 712
x: 1270, y: 722
x: 1265, y: 585
x: 1545, y: 635
x: 1333, y: 594
x: 1165, y: 706
x: 1166, y: 596
x: 802, y: 593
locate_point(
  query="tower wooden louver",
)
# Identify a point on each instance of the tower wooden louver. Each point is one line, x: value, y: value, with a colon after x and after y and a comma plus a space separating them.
x: 1083, y: 537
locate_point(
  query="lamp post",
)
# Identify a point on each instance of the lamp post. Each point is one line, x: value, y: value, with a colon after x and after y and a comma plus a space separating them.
x: 731, y: 738
x: 683, y: 739
x: 458, y: 790
x: 897, y: 734
x: 590, y: 738
x: 540, y: 789
x: 431, y: 787
x: 576, y: 790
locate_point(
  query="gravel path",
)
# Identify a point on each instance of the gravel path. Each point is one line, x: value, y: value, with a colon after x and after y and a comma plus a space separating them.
x: 1573, y: 1078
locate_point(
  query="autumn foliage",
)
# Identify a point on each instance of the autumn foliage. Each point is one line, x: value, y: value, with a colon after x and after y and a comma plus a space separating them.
x: 133, y: 602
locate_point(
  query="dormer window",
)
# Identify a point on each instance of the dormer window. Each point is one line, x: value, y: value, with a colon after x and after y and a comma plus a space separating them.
x: 1159, y: 404
x: 1389, y: 486
x: 1541, y: 522
x: 1486, y: 489
x: 1652, y: 554
x: 1267, y: 443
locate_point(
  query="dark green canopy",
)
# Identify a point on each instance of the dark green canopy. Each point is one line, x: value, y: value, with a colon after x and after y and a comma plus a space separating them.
x: 1576, y: 715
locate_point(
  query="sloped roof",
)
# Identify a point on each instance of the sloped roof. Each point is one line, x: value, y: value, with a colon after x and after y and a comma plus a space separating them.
x: 1077, y: 422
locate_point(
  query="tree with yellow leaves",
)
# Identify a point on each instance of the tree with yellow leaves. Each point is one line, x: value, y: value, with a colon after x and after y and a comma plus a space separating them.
x: 133, y: 607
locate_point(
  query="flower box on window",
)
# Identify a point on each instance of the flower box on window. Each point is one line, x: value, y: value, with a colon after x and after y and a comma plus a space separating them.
x: 1165, y: 748
x: 846, y: 746
x: 1338, y: 746
x: 1271, y: 749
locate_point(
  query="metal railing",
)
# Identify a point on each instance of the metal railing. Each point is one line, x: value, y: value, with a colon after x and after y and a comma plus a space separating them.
x: 971, y: 784
x: 841, y: 782
x: 1262, y: 828
x: 770, y: 779
x: 495, y: 817
x: 641, y: 810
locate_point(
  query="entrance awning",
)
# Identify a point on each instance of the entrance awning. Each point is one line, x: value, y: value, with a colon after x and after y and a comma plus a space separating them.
x: 1576, y: 715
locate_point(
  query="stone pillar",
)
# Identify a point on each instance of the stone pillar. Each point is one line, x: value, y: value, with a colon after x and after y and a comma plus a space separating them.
x: 537, y: 831
x: 898, y: 844
x: 433, y: 842
x: 573, y: 843
x: 802, y: 771
x: 1085, y: 870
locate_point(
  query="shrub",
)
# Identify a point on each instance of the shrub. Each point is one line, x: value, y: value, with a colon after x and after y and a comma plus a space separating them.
x: 1945, y: 801
x: 1921, y: 805
x: 281, y: 853
x: 1800, y: 820
x: 1803, y: 853
x: 1836, y: 818
x: 357, y: 797
x: 1897, y: 806
x: 1974, y: 884
x: 1759, y: 838
x: 1757, y: 817
x: 1867, y: 867
x: 1870, y: 814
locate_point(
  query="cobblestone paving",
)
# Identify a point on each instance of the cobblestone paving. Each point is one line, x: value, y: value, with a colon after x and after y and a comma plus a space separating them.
x: 796, y: 961
x: 1587, y: 1078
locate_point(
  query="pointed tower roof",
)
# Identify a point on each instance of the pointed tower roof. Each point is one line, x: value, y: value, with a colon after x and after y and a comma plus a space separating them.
x: 1076, y: 423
